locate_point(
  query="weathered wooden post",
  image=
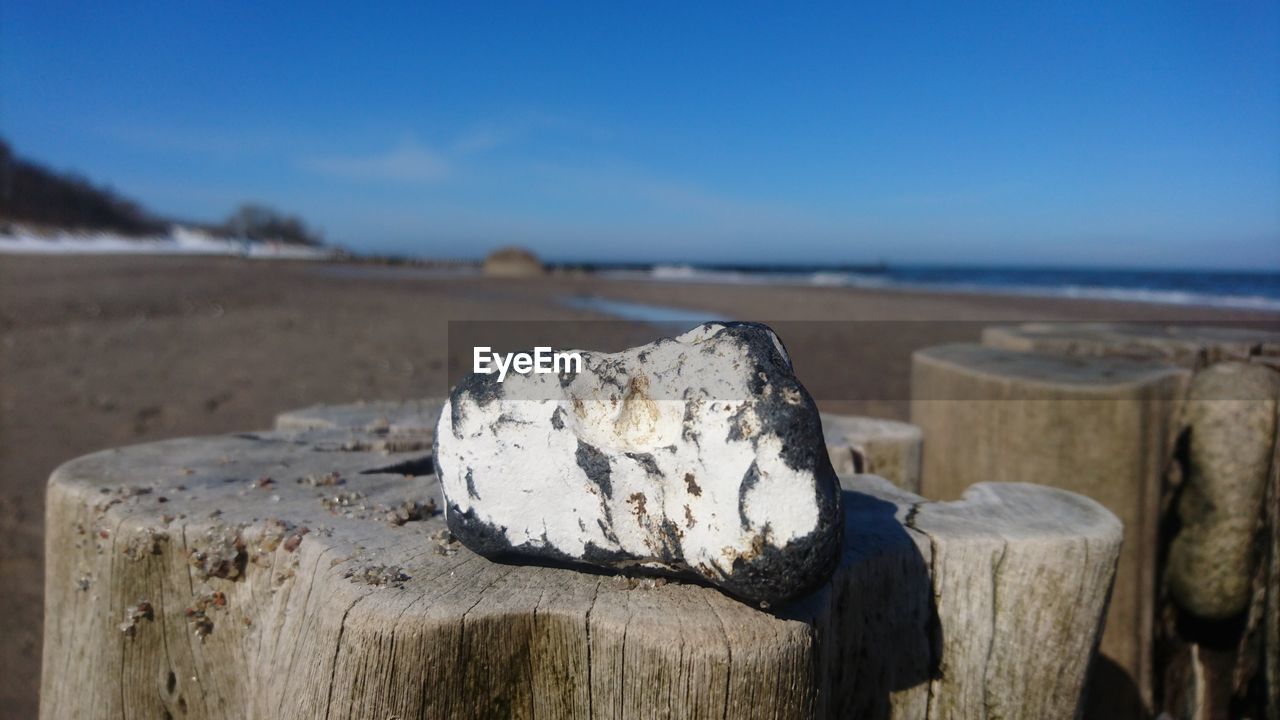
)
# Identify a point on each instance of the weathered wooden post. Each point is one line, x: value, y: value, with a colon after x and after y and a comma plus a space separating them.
x: 890, y: 449
x: 1100, y: 427
x: 1174, y: 429
x: 299, y: 574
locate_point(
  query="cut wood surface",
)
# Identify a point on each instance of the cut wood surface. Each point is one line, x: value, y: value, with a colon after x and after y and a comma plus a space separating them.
x: 304, y: 574
x: 1184, y: 345
x: 1102, y: 427
x: 375, y: 416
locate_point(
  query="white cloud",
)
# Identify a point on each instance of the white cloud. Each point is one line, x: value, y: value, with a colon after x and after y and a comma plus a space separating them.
x: 410, y: 161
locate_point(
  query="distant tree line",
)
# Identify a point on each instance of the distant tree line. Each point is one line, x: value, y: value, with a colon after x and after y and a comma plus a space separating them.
x: 258, y: 222
x: 32, y: 193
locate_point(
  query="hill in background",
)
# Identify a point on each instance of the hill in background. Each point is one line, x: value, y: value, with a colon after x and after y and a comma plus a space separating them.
x: 33, y: 195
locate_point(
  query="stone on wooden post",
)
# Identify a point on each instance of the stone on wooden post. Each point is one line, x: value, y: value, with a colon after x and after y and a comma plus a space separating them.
x: 1098, y: 426
x: 301, y: 574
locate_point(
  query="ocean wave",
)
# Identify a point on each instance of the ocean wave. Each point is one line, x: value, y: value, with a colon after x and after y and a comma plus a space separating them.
x: 689, y: 273
x: 1102, y: 293
x: 1167, y: 297
x: 1006, y: 286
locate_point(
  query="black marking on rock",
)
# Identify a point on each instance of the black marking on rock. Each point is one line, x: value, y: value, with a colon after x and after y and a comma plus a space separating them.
x: 797, y: 425
x: 738, y: 426
x: 691, y: 484
x: 595, y: 554
x: 480, y: 389
x: 607, y: 528
x: 672, y: 537
x: 777, y: 574
x: 596, y: 465
x: 557, y: 418
x: 749, y: 480
x: 686, y: 429
x: 506, y: 419
x: 647, y: 462
x: 481, y: 537
x: 471, y: 486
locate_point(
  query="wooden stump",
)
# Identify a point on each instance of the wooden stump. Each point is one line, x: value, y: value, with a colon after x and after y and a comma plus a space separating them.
x: 1102, y: 427
x: 889, y: 449
x: 1211, y: 665
x: 304, y: 574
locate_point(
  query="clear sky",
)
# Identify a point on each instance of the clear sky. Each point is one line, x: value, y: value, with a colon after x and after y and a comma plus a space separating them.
x: 1092, y: 133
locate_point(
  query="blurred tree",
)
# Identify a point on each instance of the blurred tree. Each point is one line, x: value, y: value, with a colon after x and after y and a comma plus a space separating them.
x: 258, y: 222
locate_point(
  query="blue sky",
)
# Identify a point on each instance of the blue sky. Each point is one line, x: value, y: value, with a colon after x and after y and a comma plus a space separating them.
x: 1094, y: 134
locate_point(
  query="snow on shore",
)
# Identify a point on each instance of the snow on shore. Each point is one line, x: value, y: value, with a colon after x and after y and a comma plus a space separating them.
x: 179, y: 241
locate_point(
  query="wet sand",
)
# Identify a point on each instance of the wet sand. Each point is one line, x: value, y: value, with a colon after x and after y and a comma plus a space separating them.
x: 97, y: 352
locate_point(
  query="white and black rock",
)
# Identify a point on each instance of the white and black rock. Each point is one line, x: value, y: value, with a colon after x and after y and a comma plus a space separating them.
x: 696, y: 456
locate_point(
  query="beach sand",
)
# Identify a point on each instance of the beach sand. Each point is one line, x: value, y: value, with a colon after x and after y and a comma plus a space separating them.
x: 97, y: 352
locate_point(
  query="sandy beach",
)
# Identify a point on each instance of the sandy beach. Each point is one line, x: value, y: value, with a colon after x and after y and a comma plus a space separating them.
x: 97, y: 352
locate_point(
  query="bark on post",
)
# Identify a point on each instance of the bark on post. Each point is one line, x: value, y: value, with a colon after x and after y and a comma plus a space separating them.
x: 301, y: 574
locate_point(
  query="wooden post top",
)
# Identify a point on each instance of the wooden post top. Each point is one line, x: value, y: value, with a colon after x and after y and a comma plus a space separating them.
x: 1184, y: 345
x: 296, y: 574
x: 1037, y: 373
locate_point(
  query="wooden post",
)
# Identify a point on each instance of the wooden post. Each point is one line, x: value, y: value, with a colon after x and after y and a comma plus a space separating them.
x: 304, y: 574
x: 887, y: 448
x: 1218, y: 649
x: 1102, y: 427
